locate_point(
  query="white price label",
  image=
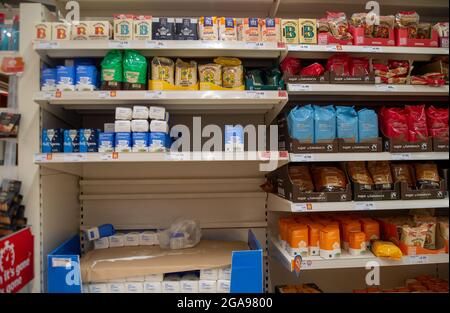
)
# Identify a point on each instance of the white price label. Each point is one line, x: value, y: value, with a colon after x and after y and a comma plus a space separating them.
x: 401, y: 156
x: 106, y: 156
x: 48, y: 45
x: 62, y: 262
x: 73, y: 157
x: 157, y: 94
x: 299, y: 47
x: 416, y: 259
x: 384, y: 88
x: 302, y: 157
x: 103, y: 94
x: 331, y: 48
x: 151, y: 44
x: 49, y: 95
x: 255, y: 94
x: 307, y: 264
x: 255, y: 45
x: 176, y: 156
x: 118, y: 44
x: 361, y: 206
x: 40, y: 157
x: 301, y: 207
x: 300, y: 87
x: 372, y: 49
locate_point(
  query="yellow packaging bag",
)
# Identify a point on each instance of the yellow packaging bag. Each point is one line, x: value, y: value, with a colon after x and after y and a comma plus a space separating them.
x: 386, y: 249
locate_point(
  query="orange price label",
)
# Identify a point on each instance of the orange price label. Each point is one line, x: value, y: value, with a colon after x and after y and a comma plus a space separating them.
x: 115, y: 155
x: 112, y: 93
x: 58, y: 94
x: 49, y: 156
x: 338, y: 47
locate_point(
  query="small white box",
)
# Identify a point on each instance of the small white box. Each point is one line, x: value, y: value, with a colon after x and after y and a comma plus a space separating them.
x: 148, y: 238
x: 209, y: 274
x: 223, y: 286
x: 124, y: 113
x: 142, y: 27
x: 61, y: 31
x: 170, y: 286
x: 135, y: 279
x: 225, y: 273
x: 98, y: 288
x: 43, y: 31
x: 101, y: 243
x: 139, y: 126
x: 109, y: 128
x: 123, y: 27
x: 154, y: 277
x: 116, y: 240
x: 131, y: 239
x: 99, y: 30
x: 116, y: 287
x: 152, y: 287
x: 134, y: 287
x: 157, y: 113
x: 80, y: 31
x: 207, y: 286
x: 140, y: 112
x: 189, y: 286
x: 157, y: 126
x: 122, y: 126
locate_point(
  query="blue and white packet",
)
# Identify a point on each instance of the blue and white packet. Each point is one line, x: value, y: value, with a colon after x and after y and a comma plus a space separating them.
x: 65, y: 78
x: 347, y: 124
x: 89, y: 139
x: 324, y: 124
x: 52, y: 140
x: 106, y: 142
x: 48, y: 79
x: 367, y: 125
x: 71, y: 140
x: 300, y: 121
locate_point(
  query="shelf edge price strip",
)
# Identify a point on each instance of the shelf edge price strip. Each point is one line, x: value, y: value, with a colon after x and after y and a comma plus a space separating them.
x: 386, y: 88
x: 295, y: 157
x: 300, y: 87
x: 69, y: 157
x: 416, y: 259
x: 48, y: 45
x: 301, y: 207
x: 117, y: 44
x: 401, y: 156
x: 362, y: 206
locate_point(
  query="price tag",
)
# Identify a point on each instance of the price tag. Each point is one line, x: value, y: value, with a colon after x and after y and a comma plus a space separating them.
x: 307, y: 264
x: 48, y: 95
x: 40, y: 157
x: 62, y: 262
x: 299, y: 47
x: 103, y: 94
x: 255, y: 45
x: 106, y: 156
x: 416, y: 259
x: 362, y: 206
x: 157, y: 94
x: 48, y: 45
x: 302, y: 157
x: 155, y: 44
x: 384, y: 88
x: 372, y: 49
x: 118, y: 44
x: 300, y: 87
x: 75, y: 157
x: 176, y: 156
x: 255, y: 94
x: 331, y: 48
x: 401, y: 156
x: 301, y: 207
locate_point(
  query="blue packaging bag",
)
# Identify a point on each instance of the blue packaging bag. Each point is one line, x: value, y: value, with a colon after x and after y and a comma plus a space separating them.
x: 301, y: 123
x: 48, y: 79
x: 89, y: 139
x: 367, y: 125
x: 86, y: 78
x: 324, y: 123
x: 65, y: 78
x: 347, y: 124
x: 71, y: 140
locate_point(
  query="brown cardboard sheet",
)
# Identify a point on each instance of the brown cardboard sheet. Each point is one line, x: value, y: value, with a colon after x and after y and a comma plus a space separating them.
x: 117, y: 263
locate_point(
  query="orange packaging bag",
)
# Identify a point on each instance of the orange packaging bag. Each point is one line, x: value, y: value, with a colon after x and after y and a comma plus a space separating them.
x: 298, y: 240
x: 357, y: 242
x: 314, y: 238
x: 371, y: 228
x: 329, y: 242
x: 282, y: 229
x: 347, y: 227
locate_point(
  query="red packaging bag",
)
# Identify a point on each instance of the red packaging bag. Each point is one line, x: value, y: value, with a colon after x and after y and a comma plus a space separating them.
x: 290, y: 66
x: 394, y: 123
x: 339, y: 65
x: 359, y: 67
x: 417, y: 123
x: 314, y: 69
x: 437, y: 121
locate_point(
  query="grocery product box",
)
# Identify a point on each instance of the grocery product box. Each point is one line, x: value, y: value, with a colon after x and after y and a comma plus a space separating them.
x: 401, y: 35
x: 440, y: 144
x: 246, y: 266
x: 71, y: 140
x: 123, y: 27
x: 399, y: 146
x: 186, y: 29
x: 307, y: 79
x: 52, y: 140
x: 289, y: 31
x: 99, y: 30
x: 106, y: 142
x: 360, y: 39
x: 80, y: 31
x: 307, y: 31
x: 142, y: 27
x: 89, y: 139
x: 43, y: 31
x: 122, y: 142
x: 285, y: 142
x: 363, y: 79
x: 61, y: 31
x: 163, y: 28
x: 414, y: 194
x: 287, y: 189
x: 375, y: 145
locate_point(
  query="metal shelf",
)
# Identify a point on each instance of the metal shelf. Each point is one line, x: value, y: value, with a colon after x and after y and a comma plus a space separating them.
x: 370, y: 156
x: 278, y: 204
x: 348, y: 261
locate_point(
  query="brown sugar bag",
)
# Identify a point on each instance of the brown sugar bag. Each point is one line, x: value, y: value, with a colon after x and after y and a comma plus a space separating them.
x: 301, y: 176
x: 359, y: 174
x: 427, y: 176
x: 403, y: 173
x: 381, y: 174
x: 329, y: 179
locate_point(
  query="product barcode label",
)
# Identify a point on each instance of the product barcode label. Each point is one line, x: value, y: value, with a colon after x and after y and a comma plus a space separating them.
x: 62, y: 262
x: 48, y: 45
x: 103, y: 94
x: 416, y: 259
x: 118, y: 44
x: 385, y: 88
x: 151, y: 44
x: 401, y: 156
x: 255, y: 94
x: 372, y: 49
x: 302, y: 157
x: 301, y: 207
x: 70, y: 157
x: 361, y: 206
x: 157, y: 94
x: 299, y: 47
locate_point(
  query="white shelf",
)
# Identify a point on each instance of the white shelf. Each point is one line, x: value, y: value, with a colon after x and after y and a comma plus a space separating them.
x: 365, y: 90
x: 279, y: 204
x: 323, y: 51
x: 348, y: 261
x: 171, y: 48
x: 369, y: 156
x: 217, y: 102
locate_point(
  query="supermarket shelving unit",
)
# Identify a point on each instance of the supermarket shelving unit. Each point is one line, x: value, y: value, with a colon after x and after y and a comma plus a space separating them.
x: 69, y: 192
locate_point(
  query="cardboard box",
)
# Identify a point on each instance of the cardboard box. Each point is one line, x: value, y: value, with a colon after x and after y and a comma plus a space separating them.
x: 142, y: 25
x: 373, y: 146
x: 223, y: 286
x: 101, y: 243
x: 131, y: 239
x: 148, y: 238
x: 157, y: 113
x: 207, y: 286
x: 209, y: 274
x: 106, y: 142
x: 123, y: 27
x: 80, y: 31
x: 157, y: 126
x: 134, y: 287
x: 289, y: 31
x: 328, y: 39
x: 116, y: 288
x: 123, y: 142
x: 109, y: 128
x: 123, y: 113
x: 163, y: 28
x: 122, y: 126
x: 140, y: 112
x: 98, y: 288
x: 71, y: 140
x: 307, y: 31
x: 152, y: 287
x: 186, y: 29
x: 251, y: 31
x: 140, y: 142
x: 440, y: 144
x: 270, y: 29
x: 99, y: 30
x: 170, y: 286
x: 401, y: 35
x: 116, y: 240
x: 189, y: 286
x: 139, y: 126
x: 224, y: 273
x: 61, y: 31
x: 398, y: 146
x: 360, y: 39
x: 43, y: 31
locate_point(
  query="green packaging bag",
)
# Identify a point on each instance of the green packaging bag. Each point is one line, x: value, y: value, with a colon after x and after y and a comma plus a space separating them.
x: 134, y: 71
x: 112, y: 71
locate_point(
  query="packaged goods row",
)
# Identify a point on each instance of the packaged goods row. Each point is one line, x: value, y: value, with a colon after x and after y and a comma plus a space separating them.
x: 412, y: 128
x: 360, y: 181
x: 421, y: 283
x: 327, y: 235
x: 344, y: 69
x: 403, y: 29
x: 12, y: 211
